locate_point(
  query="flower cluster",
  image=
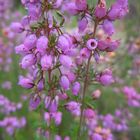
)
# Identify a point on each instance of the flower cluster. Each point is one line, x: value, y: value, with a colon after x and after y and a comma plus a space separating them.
x: 12, y: 123
x: 133, y: 97
x: 100, y: 126
x: 5, y: 56
x: 7, y: 107
x: 58, y: 63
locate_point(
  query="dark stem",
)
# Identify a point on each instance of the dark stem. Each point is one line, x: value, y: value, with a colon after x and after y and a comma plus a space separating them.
x: 85, y: 87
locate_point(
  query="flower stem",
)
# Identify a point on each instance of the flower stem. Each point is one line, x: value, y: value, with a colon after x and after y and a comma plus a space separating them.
x: 85, y: 87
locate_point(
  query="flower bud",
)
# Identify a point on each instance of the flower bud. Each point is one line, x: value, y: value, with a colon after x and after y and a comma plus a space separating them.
x: 64, y: 82
x: 25, y: 82
x: 47, y: 118
x: 76, y: 88
x: 47, y: 101
x: 96, y: 94
x: 40, y: 85
x: 82, y: 24
x: 100, y: 10
x: 30, y: 41
x: 42, y: 44
x: 17, y: 27
x: 64, y: 42
x: 57, y: 118
x: 85, y: 53
x: 89, y: 113
x: 106, y: 78
x: 28, y: 60
x: 34, y: 102
x: 108, y: 27
x: 21, y: 49
x: 81, y: 4
x: 66, y: 61
x: 46, y: 62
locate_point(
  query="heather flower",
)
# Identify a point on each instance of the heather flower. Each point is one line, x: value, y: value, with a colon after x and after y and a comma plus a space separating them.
x: 108, y: 45
x: 76, y: 88
x: 96, y: 94
x: 92, y: 44
x: 66, y: 61
x: 71, y: 8
x: 34, y: 10
x: 30, y: 41
x: 46, y: 62
x: 96, y: 136
x: 73, y: 107
x: 47, y: 101
x: 100, y: 9
x: 34, y: 102
x: 81, y: 4
x: 85, y: 53
x: 42, y: 44
x: 47, y: 118
x: 65, y: 83
x: 25, y: 82
x: 17, y: 27
x: 82, y: 24
x: 106, y: 78
x: 28, y: 60
x: 53, y: 105
x: 40, y: 85
x: 108, y: 27
x: 89, y: 113
x: 57, y: 4
x: 64, y: 42
x: 57, y: 118
x: 57, y: 137
x: 21, y: 49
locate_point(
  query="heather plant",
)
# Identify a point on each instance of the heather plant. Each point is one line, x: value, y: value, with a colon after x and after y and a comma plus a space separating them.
x: 61, y: 66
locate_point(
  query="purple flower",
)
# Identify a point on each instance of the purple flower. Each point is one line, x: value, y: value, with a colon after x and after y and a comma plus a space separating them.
x: 92, y: 44
x: 40, y: 85
x: 85, y: 53
x: 66, y: 61
x: 46, y: 62
x: 81, y: 4
x: 47, y: 101
x: 17, y: 27
x: 30, y: 41
x: 64, y: 42
x: 100, y: 10
x: 21, y: 49
x: 82, y: 24
x: 42, y: 44
x: 71, y: 8
x: 57, y: 118
x: 108, y: 27
x: 53, y: 105
x: 47, y: 118
x: 73, y: 107
x: 57, y: 4
x: 28, y: 60
x: 89, y: 113
x: 118, y: 10
x: 25, y: 82
x: 76, y: 88
x: 65, y: 83
x: 106, y: 78
x: 57, y: 137
x: 34, y: 102
x: 34, y: 10
x: 96, y: 136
